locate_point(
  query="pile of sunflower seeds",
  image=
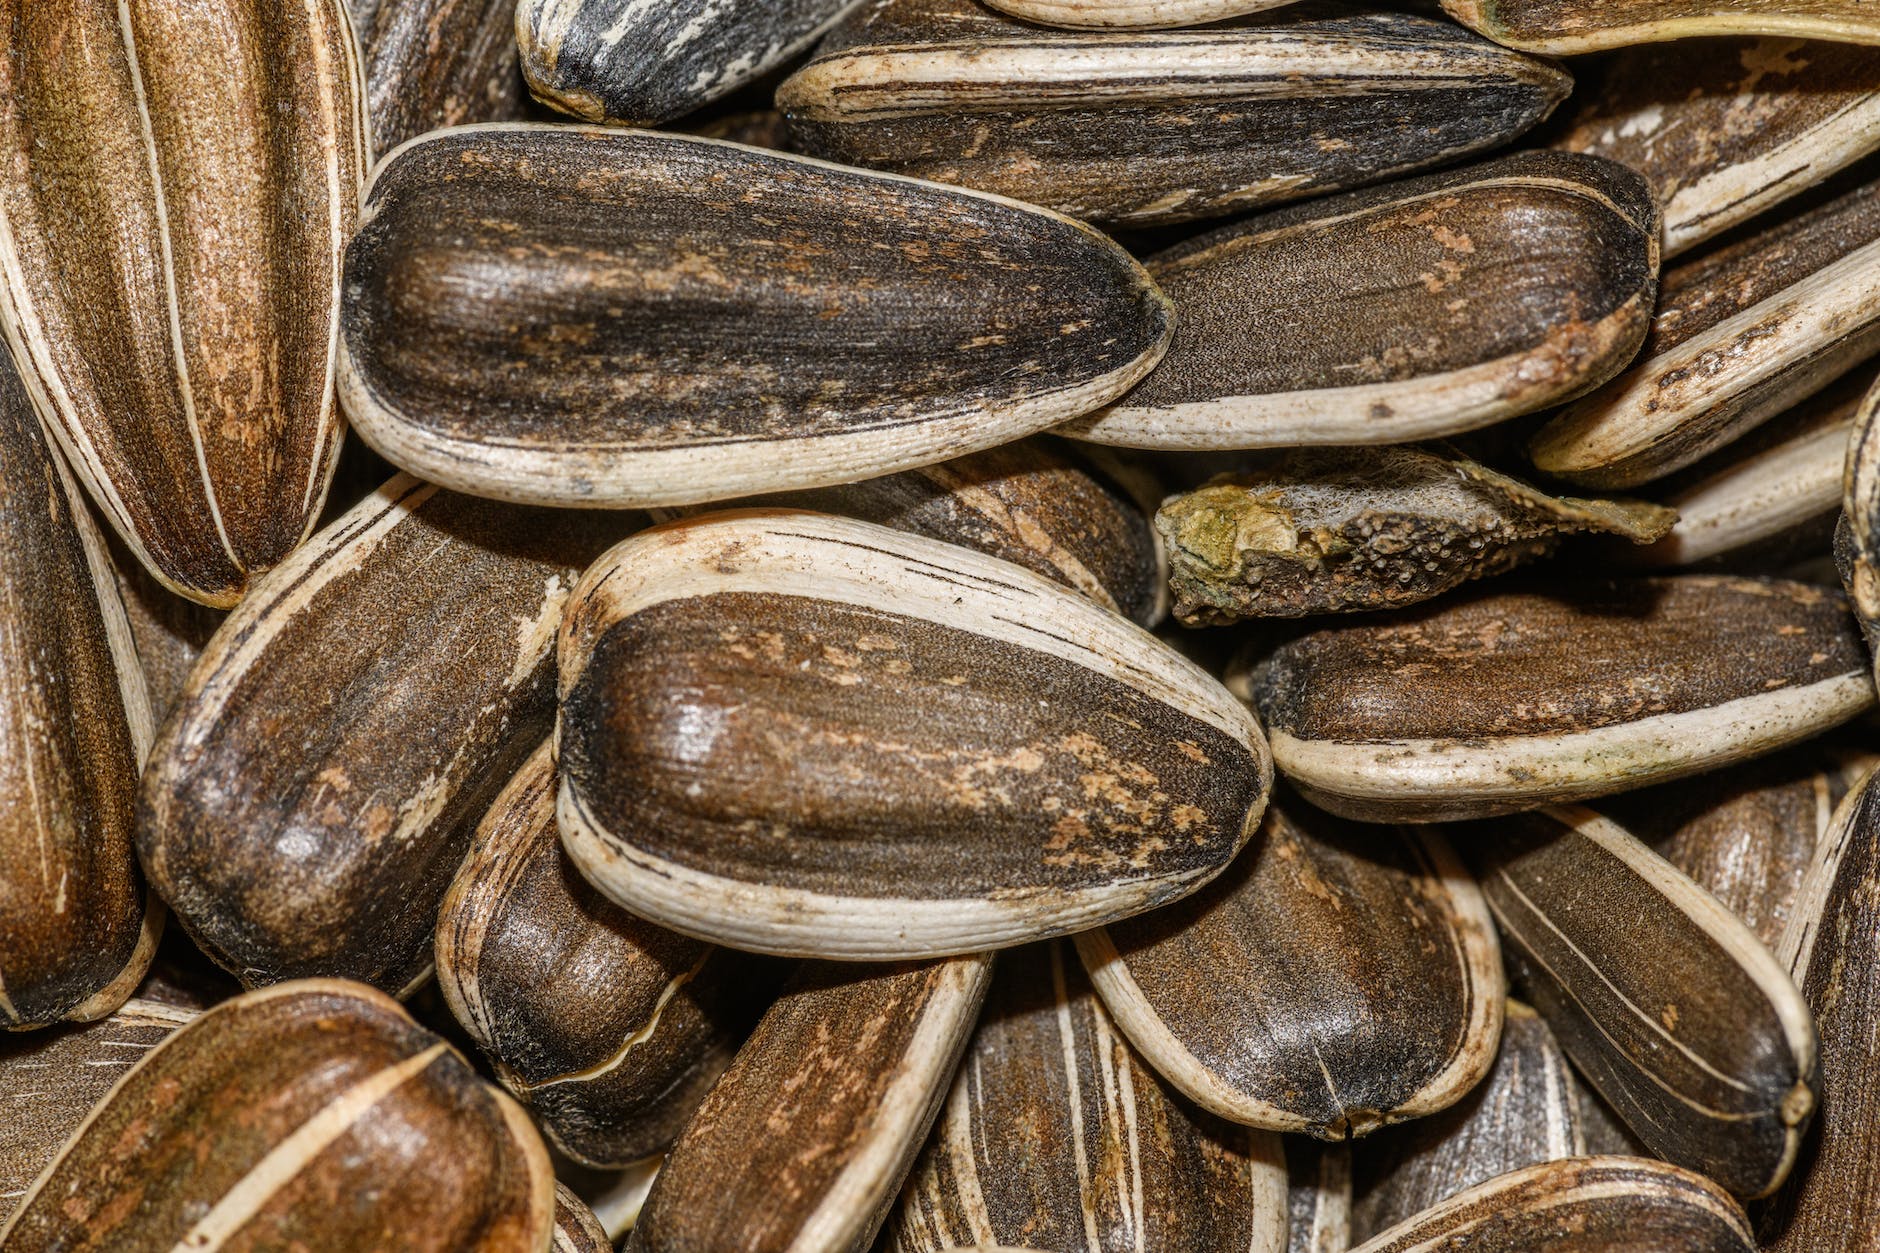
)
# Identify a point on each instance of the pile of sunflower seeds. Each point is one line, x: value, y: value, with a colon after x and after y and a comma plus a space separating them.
x: 918, y: 625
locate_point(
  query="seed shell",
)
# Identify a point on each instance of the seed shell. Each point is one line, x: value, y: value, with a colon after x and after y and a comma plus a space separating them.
x: 1858, y: 556
x: 432, y: 63
x: 168, y: 632
x: 1406, y: 311
x: 576, y: 1228
x: 1143, y: 129
x: 1318, y: 1196
x: 1130, y: 14
x: 813, y: 736
x: 1056, y: 1135
x: 1569, y: 27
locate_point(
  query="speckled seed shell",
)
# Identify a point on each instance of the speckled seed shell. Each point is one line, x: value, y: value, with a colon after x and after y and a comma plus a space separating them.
x: 1500, y: 701
x: 1318, y: 1196
x: 576, y: 1228
x: 432, y: 63
x: 1567, y: 27
x: 1580, y: 1205
x: 50, y: 1081
x: 610, y: 1029
x: 1338, y: 530
x: 1401, y: 312
x: 168, y: 632
x: 77, y: 928
x: 1274, y: 996
x: 1789, y: 308
x: 1143, y: 129
x: 580, y: 316
x: 866, y: 1053
x: 370, y: 695
x: 176, y: 184
x: 1665, y: 1000
x: 1723, y: 129
x: 638, y: 64
x: 813, y: 736
x: 315, y: 1116
x: 1860, y: 486
x: 1526, y: 1111
x: 1130, y: 14
x: 1056, y: 1135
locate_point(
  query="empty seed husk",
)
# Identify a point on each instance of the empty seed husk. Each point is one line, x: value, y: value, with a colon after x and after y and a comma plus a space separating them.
x: 359, y: 790
x: 1318, y: 1196
x: 638, y: 64
x: 1338, y: 530
x: 1568, y: 27
x: 1142, y: 129
x: 1857, y: 554
x: 866, y: 1052
x: 314, y: 1115
x: 813, y: 736
x: 610, y: 1029
x: 1400, y: 312
x: 1273, y: 996
x: 1665, y: 1000
x: 1056, y: 1135
x: 432, y: 63
x: 179, y: 182
x: 577, y: 316
x: 1580, y: 1205
x: 1498, y: 701
x: 1741, y: 334
x: 1526, y: 1111
x: 1130, y: 14
x: 576, y: 1228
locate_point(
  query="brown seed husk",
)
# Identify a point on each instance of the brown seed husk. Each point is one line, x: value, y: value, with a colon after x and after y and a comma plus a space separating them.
x: 433, y: 63
x: 1130, y: 14
x: 1567, y: 27
x: 1318, y: 1196
x: 576, y: 1228
x: 1857, y: 555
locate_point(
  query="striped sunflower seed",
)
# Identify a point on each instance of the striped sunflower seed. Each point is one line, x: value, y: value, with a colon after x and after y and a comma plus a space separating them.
x: 813, y: 736
x: 1501, y: 701
x: 1338, y: 530
x: 1130, y: 14
x: 168, y: 631
x: 1143, y: 129
x: 577, y: 1230
x: 1318, y: 1196
x: 563, y: 315
x: 1859, y: 556
x: 1274, y: 995
x: 1057, y: 1136
x: 177, y: 185
x: 359, y: 791
x: 1406, y: 311
x: 1568, y: 27
x: 609, y: 1029
x: 1665, y: 1000
x: 251, y: 1121
x: 432, y: 63
x: 866, y: 1052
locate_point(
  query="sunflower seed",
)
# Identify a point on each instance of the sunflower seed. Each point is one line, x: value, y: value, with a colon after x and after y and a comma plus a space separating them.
x: 1859, y: 555
x: 178, y: 183
x: 1336, y: 530
x: 358, y: 792
x: 1741, y: 334
x: 609, y: 1029
x: 256, y: 1116
x: 168, y: 631
x: 764, y: 128
x: 432, y: 63
x: 814, y: 736
x: 1130, y: 14
x: 1401, y: 312
x: 866, y: 1052
x: 1274, y: 995
x: 1146, y: 129
x: 1567, y: 27
x: 1665, y: 1000
x: 1318, y: 1196
x: 576, y: 1228
x: 1581, y: 1205
x: 510, y: 328
x: 1501, y: 701
x: 1056, y: 1135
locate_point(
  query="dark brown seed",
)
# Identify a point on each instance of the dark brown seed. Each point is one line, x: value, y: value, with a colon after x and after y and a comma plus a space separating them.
x: 1407, y: 311
x: 865, y: 1054
x: 432, y: 63
x: 608, y: 1028
x: 369, y: 697
x: 1274, y: 996
x: 1131, y: 14
x: 1581, y: 1205
x: 1565, y: 27
x: 576, y: 1228
x: 169, y: 631
x: 808, y: 735
x: 179, y: 180
x: 1318, y: 1196
x: 1665, y: 1000
x: 1605, y: 1132
x: 565, y: 315
x: 1859, y: 556
x: 1498, y: 701
x: 1338, y: 530
x: 313, y: 1116
x: 1142, y: 129
x: 1056, y: 1135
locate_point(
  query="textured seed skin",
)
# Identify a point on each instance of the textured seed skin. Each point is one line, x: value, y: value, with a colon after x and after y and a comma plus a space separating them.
x: 1857, y: 537
x: 176, y: 185
x: 1130, y: 14
x: 432, y: 63
x: 576, y: 1228
x: 315, y: 1116
x: 867, y: 1052
x: 168, y: 631
x: 1666, y: 1001
x: 1318, y: 1196
x: 304, y: 811
x: 1056, y: 1135
x: 1142, y: 129
x: 1405, y: 311
x: 1273, y: 995
x: 610, y: 1029
x: 1565, y: 27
